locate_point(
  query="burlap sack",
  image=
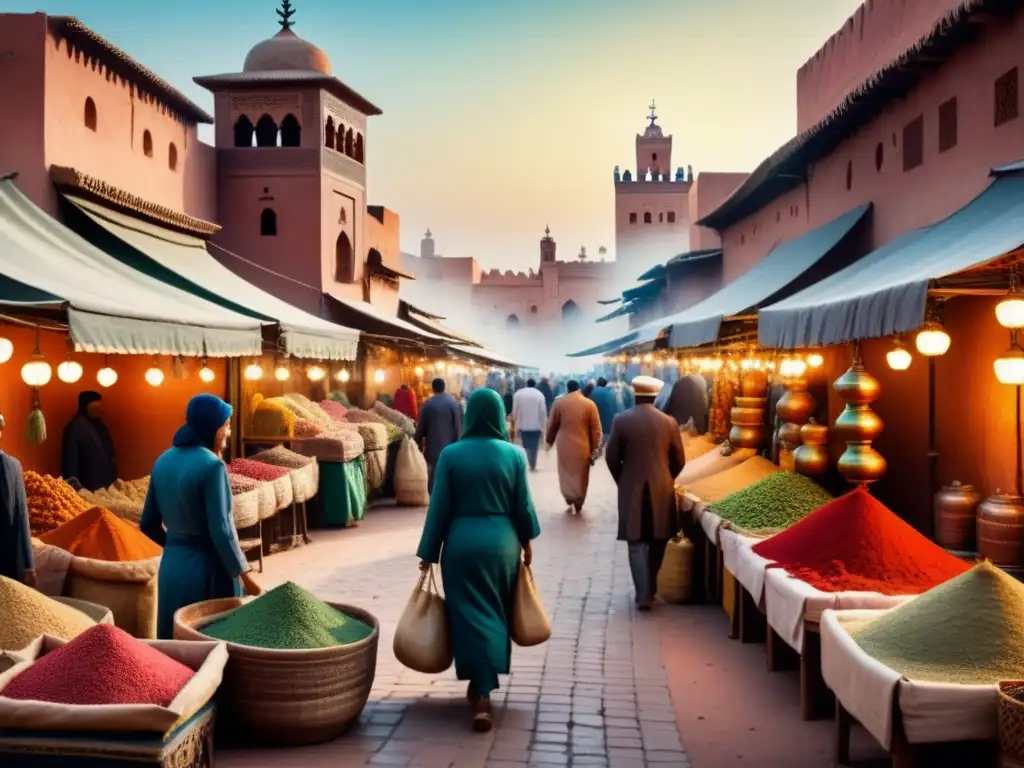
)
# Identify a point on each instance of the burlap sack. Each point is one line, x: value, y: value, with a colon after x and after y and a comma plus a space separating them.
x: 207, y: 658
x: 411, y: 476
x: 422, y: 639
x: 129, y: 590
x: 52, y: 564
x: 530, y: 622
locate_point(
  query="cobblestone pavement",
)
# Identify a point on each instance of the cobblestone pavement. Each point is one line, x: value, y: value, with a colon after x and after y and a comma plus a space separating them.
x: 594, y: 695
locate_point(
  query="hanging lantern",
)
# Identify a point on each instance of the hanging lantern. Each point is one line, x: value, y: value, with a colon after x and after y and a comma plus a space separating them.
x: 253, y: 372
x: 343, y: 375
x: 106, y: 376
x: 898, y: 357
x: 378, y: 375
x: 419, y: 371
x: 155, y: 376
x: 6, y: 349
x: 1010, y: 311
x: 69, y: 371
x: 932, y: 340
x: 1009, y: 366
x: 36, y: 372
x: 316, y: 373
x: 206, y: 374
x: 792, y: 368
x: 282, y: 373
x: 815, y: 360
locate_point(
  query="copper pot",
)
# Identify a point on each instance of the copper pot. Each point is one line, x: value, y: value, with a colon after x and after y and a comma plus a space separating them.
x: 813, y: 433
x: 747, y: 436
x: 796, y: 405
x: 754, y: 384
x: 789, y: 435
x: 858, y: 424
x: 811, y: 460
x: 857, y: 385
x: 861, y: 463
x: 751, y: 402
x: 747, y: 417
x: 1000, y: 525
x: 956, y: 516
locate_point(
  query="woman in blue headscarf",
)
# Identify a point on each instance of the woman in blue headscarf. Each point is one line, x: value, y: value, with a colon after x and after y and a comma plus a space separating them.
x: 188, y: 513
x: 482, y: 514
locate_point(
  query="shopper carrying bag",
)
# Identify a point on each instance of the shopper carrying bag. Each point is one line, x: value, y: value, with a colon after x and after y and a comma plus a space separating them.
x: 422, y: 639
x: 530, y: 623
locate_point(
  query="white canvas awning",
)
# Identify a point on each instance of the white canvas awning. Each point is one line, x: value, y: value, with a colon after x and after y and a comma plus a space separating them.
x: 110, y: 306
x: 187, y: 264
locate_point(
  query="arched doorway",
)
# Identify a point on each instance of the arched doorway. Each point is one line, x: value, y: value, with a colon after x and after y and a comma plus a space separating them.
x: 266, y: 132
x: 571, y: 312
x: 512, y: 321
x: 329, y: 133
x: 243, y: 131
x: 291, y: 131
x: 344, y: 266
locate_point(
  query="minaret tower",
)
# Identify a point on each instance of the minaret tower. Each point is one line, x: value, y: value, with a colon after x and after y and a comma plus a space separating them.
x: 653, y: 150
x: 547, y: 248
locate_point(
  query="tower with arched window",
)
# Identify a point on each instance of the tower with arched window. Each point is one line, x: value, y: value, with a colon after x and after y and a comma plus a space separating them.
x: 292, y: 148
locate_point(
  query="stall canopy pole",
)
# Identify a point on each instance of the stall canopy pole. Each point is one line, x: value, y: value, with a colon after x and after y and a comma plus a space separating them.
x: 933, y: 451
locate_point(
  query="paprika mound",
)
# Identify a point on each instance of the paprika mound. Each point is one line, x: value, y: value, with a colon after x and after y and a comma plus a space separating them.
x: 99, y: 534
x: 104, y: 665
x: 26, y: 614
x: 288, y: 618
x: 969, y: 631
x: 856, y: 543
x: 256, y: 470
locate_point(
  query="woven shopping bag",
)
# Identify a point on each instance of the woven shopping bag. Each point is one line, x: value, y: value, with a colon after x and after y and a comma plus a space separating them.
x: 422, y: 639
x: 530, y: 623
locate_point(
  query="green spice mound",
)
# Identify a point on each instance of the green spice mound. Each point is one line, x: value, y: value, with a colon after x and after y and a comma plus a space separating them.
x: 771, y: 504
x: 969, y: 630
x: 288, y: 618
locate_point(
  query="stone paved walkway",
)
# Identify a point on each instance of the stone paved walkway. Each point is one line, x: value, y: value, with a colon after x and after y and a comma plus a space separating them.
x: 594, y: 695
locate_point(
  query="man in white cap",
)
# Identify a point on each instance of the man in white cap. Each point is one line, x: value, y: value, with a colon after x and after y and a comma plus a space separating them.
x: 645, y: 454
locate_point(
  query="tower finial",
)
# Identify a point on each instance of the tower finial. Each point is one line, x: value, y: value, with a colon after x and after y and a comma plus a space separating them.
x: 285, y: 12
x: 547, y: 230
x: 652, y: 117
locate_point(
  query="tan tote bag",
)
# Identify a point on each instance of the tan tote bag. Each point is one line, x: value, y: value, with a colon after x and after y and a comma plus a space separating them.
x: 530, y: 623
x: 422, y: 639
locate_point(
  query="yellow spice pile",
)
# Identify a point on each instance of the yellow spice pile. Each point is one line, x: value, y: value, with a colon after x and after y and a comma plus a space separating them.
x: 25, y: 614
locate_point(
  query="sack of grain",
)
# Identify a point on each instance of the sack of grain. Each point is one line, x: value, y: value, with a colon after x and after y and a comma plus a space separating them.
x: 411, y: 476
x: 400, y: 420
x: 712, y: 463
x: 376, y: 465
x: 303, y: 470
x: 127, y: 589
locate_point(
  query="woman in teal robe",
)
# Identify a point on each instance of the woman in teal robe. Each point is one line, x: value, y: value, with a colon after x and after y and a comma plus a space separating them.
x: 479, y: 526
x: 188, y: 513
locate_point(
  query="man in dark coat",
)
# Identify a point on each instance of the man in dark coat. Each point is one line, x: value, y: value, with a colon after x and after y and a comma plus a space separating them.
x: 439, y: 426
x: 15, y: 531
x: 645, y: 454
x: 548, y: 392
x: 88, y: 450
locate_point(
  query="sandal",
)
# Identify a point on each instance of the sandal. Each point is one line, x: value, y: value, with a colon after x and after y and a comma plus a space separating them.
x: 482, y: 715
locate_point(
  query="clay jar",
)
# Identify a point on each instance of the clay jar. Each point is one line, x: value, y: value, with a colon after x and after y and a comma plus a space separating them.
x: 1000, y: 525
x: 956, y: 516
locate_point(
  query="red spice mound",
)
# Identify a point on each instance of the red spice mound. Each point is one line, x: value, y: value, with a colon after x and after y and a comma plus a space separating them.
x: 256, y: 470
x: 103, y: 665
x: 856, y: 543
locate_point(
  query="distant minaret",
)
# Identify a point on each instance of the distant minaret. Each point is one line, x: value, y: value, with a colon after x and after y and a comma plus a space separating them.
x: 547, y: 248
x: 427, y: 246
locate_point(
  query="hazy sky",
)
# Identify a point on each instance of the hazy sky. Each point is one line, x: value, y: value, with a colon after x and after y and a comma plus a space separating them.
x: 501, y: 117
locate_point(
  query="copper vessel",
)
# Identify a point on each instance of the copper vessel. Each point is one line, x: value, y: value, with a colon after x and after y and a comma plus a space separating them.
x: 858, y: 424
x: 751, y: 402
x: 811, y: 458
x: 754, y: 384
x: 789, y: 435
x: 796, y: 405
x: 861, y: 464
x: 746, y: 417
x: 956, y: 516
x: 1000, y: 525
x: 747, y: 436
x: 857, y: 386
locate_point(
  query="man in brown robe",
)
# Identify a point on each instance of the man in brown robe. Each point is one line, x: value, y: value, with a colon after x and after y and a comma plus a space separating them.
x: 645, y: 454
x: 574, y: 427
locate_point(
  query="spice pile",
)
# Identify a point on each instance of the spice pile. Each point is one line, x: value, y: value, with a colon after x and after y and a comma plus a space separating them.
x: 357, y: 416
x: 25, y: 614
x: 256, y: 470
x: 400, y: 420
x: 99, y: 534
x: 773, y: 503
x: 288, y: 618
x: 104, y: 665
x: 334, y: 409
x: 719, y: 459
x: 125, y: 498
x: 279, y: 456
x: 271, y: 418
x: 855, y: 543
x: 969, y: 631
x: 51, y: 502
x: 717, y: 487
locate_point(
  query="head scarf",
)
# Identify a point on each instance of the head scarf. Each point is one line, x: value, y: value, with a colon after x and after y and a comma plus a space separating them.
x: 485, y: 416
x: 85, y: 399
x: 205, y: 415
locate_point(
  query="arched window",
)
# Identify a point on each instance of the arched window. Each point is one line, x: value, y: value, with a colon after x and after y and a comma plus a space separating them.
x: 571, y: 312
x: 350, y: 143
x: 342, y: 216
x: 291, y: 131
x: 329, y: 133
x: 512, y: 321
x: 147, y: 143
x: 647, y: 218
x: 172, y: 157
x: 339, y: 138
x: 533, y: 310
x: 243, y: 131
x: 90, y: 114
x: 266, y: 132
x: 359, y: 148
x: 344, y: 265
x: 632, y: 218
x: 268, y: 223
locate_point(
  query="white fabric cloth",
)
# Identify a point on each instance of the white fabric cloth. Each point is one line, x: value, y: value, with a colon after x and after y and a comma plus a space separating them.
x: 709, y: 521
x: 931, y: 712
x: 529, y: 410
x: 790, y: 602
x: 746, y: 566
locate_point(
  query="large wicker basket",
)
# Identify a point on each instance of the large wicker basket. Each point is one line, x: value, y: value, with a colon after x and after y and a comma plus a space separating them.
x: 286, y: 697
x: 675, y: 578
x: 1011, y: 724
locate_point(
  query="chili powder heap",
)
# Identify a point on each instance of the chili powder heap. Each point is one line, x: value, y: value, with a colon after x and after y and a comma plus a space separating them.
x: 103, y: 665
x: 99, y: 534
x: 856, y: 543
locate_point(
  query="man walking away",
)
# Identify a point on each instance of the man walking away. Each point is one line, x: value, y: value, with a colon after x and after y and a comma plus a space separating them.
x: 576, y: 426
x: 546, y: 390
x: 608, y: 407
x: 645, y: 454
x: 529, y: 414
x: 439, y: 426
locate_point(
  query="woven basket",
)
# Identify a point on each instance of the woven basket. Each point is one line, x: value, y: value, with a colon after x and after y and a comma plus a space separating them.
x: 283, y: 493
x: 675, y: 579
x: 1011, y: 725
x: 288, y: 697
x: 305, y: 482
x: 245, y: 508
